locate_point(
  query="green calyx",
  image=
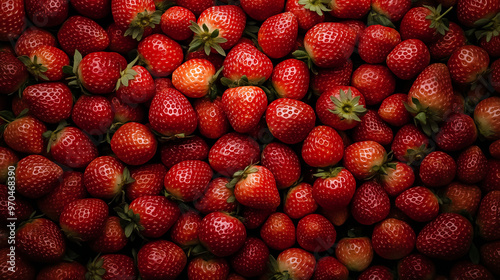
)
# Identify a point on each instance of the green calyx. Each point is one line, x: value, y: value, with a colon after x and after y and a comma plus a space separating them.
x: 52, y: 135
x: 490, y: 28
x: 347, y: 107
x: 206, y: 39
x: 73, y: 79
x: 141, y: 22
x: 34, y: 67
x: 438, y: 21
x: 130, y: 221
x: 328, y: 173
x: 95, y: 271
x: 317, y: 6
x: 301, y: 54
x: 418, y: 154
x: 241, y: 174
x: 424, y: 117
x: 127, y: 74
x: 375, y: 18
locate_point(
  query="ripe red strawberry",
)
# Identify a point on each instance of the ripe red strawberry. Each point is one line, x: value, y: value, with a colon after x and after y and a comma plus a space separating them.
x: 418, y: 203
x: 140, y: 89
x: 290, y: 120
x: 299, y: 201
x: 375, y: 82
x: 112, y: 238
x: 490, y: 256
x: 462, y: 198
x: 212, y: 120
x: 410, y: 144
x: 217, y: 197
x: 373, y: 128
x: 283, y: 162
x: 118, y: 42
x: 244, y: 106
x: 222, y: 234
x: 331, y: 77
x: 195, y: 78
x: 437, y: 169
x: 82, y: 34
x: 376, y: 42
x: 397, y: 179
x: 216, y: 59
x: 111, y: 266
x: 105, y: 176
x: 22, y: 211
x: 393, y: 239
x: 370, y: 203
x: 47, y: 13
x: 69, y: 189
x: 290, y: 79
x: 486, y: 119
x: 46, y: 63
x: 278, y: 34
x: 467, y: 63
x: 471, y: 165
x: 187, y: 180
x: 278, y: 231
x: 213, y: 268
x: 95, y: 9
x: 376, y: 272
x: 365, y: 159
x: 349, y: 9
x: 8, y: 158
x: 474, y: 13
x: 14, y: 11
x: 185, y: 230
x: 84, y: 219
x: 160, y: 259
x: 71, y: 147
x: 293, y: 263
x: 137, y: 17
x: 329, y: 267
x: 387, y: 12
x: 150, y: 215
x: 175, y: 22
x: 252, y: 259
x: 49, y: 102
x: 32, y: 38
x: 408, y: 59
x: 448, y: 237
x: 62, y: 270
x: 424, y: 23
x: 355, y: 253
x: 490, y: 43
x: 21, y: 271
x: 261, y: 10
x: 307, y: 15
x: 456, y: 133
x: 134, y: 143
x: 328, y: 44
x: 160, y: 54
x: 40, y: 240
x: 171, y: 114
x: 181, y: 149
x: 148, y: 180
x: 126, y: 112
x: 25, y: 135
x: 446, y: 45
x: 195, y: 6
x: 13, y: 73
x: 233, y: 152
x: 315, y: 233
x: 322, y: 147
x: 416, y: 266
x: 430, y: 97
x: 488, y: 216
x: 469, y: 270
x: 36, y: 176
x: 246, y: 65
x: 334, y: 188
x: 491, y: 181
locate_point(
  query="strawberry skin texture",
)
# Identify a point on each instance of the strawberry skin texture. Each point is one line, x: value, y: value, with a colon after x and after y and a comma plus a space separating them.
x: 187, y: 180
x: 73, y: 148
x: 408, y: 59
x: 125, y: 11
x: 330, y: 268
x: 305, y: 17
x: 418, y: 203
x: 376, y: 272
x: 193, y: 78
x: 488, y: 219
x: 112, y: 238
x: 463, y: 198
x: 334, y: 192
x: 283, y: 162
x: 325, y: 106
x: 141, y: 89
x: 246, y: 60
x: 393, y: 239
x: 315, y: 233
x: 370, y: 203
x: 41, y: 240
x: 13, y: 73
x: 298, y: 263
x: 290, y: 120
x: 84, y: 219
x: 161, y: 54
x: 82, y: 34
x: 134, y: 143
x: 36, y: 176
x: 278, y: 231
x: 160, y: 259
x: 25, y: 135
x: 376, y: 42
x: 251, y: 260
x: 487, y: 119
x: 14, y: 11
x: 278, y: 34
x: 157, y: 214
x: 472, y: 165
x: 185, y: 230
x: 361, y: 157
x: 23, y: 269
x: 62, y: 270
x: 397, y: 180
x: 184, y: 149
x: 8, y: 158
x: 258, y: 189
x: 375, y: 82
x: 215, y: 197
x: 47, y: 13
x: 212, y: 120
x: 98, y: 72
x: 148, y: 180
x: 299, y: 201
x: 95, y: 9
x: 175, y: 23
x: 470, y: 11
x: 290, y: 79
x: 51, y: 58
x: 32, y: 38
x: 373, y: 128
x: 222, y: 234
x: 261, y: 10
x: 103, y: 177
x: 437, y: 169
x: 457, y: 133
x: 466, y: 63
x: 416, y: 266
x: 244, y: 106
x: 92, y: 114
x: 446, y: 45
x: 322, y: 147
x: 355, y: 253
x: 215, y: 268
x: 49, y: 102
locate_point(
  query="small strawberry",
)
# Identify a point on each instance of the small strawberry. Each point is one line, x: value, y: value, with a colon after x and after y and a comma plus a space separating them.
x: 187, y: 180
x: 277, y: 35
x: 437, y: 169
x: 446, y: 45
x: 25, y: 135
x: 397, y: 179
x: 111, y: 266
x: 49, y: 102
x: 467, y: 63
x: 376, y: 42
x: 290, y: 120
x: 252, y: 259
x: 62, y: 270
x: 46, y: 63
x: 212, y: 120
x: 315, y: 233
x: 112, y: 239
x: 175, y: 23
x: 393, y: 239
x: 84, y: 219
x: 293, y: 263
x: 221, y: 234
x: 213, y: 268
x: 13, y: 73
x: 118, y: 42
x: 327, y: 78
x: 246, y: 65
x: 355, y: 253
x: 148, y: 180
x: 488, y: 216
x: 195, y: 78
x: 105, y: 176
x: 425, y: 23
x: 456, y: 133
x: 41, y: 240
x: 160, y: 54
x: 370, y: 203
x: 181, y: 149
x: 47, y: 13
x: 14, y: 11
x: 36, y: 176
x: 278, y: 232
x: 308, y: 13
x: 160, y: 259
x: 82, y: 34
x: 290, y: 79
x: 124, y: 112
x: 376, y: 272
x: 340, y: 107
x: 408, y: 59
x: 261, y: 10
x: 283, y: 162
x: 472, y: 165
x: 137, y: 17
x: 410, y: 144
x: 184, y: 231
x: 71, y: 147
x: 322, y: 147
x: 299, y: 201
x: 416, y: 266
x: 133, y: 143
x: 418, y: 203
x: 334, y: 188
x: 373, y: 128
x: 462, y: 198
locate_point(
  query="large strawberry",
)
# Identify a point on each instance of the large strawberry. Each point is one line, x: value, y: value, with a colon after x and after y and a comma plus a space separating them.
x: 105, y: 177
x: 84, y: 219
x: 25, y: 135
x: 322, y: 147
x: 278, y: 231
x: 408, y: 59
x: 370, y: 203
x: 282, y: 29
x: 290, y: 120
x: 244, y: 107
x: 49, y: 102
x: 160, y: 259
x: 137, y: 17
x: 160, y: 54
x: 71, y: 147
x: 293, y: 263
x: 134, y: 143
x: 375, y: 82
x: 290, y: 79
x: 393, y: 239
x: 82, y: 34
x: 187, y: 180
x: 260, y: 9
x: 315, y: 233
x: 14, y: 11
x: 222, y: 234
x: 41, y: 240
x: 334, y: 188
x: 36, y: 176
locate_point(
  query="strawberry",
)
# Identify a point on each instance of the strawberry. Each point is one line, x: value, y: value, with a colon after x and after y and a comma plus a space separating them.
x: 293, y: 263
x: 408, y: 59
x: 349, y: 9
x: 32, y: 38
x: 254, y: 218
x: 393, y: 111
x: 486, y: 119
x: 251, y: 260
x: 334, y: 188
x: 410, y: 144
x: 222, y: 234
x: 137, y: 17
x: 372, y: 128
x: 416, y: 266
x: 375, y: 82
x: 21, y: 271
x: 418, y: 203
x: 138, y: 90
x: 467, y: 63
x: 46, y: 63
x: 277, y: 35
x: 299, y: 201
x: 171, y: 114
x: 446, y: 45
x: 322, y: 147
x: 388, y: 12
x: 474, y: 13
x: 49, y: 102
x: 490, y: 256
x: 233, y: 152
x: 218, y: 28
x: 315, y: 233
x: 184, y: 232
x: 355, y: 253
x: 340, y: 107
x: 160, y: 54
x: 118, y: 42
x: 290, y: 78
x: 458, y: 132
x: 195, y: 78
x: 47, y: 13
x: 14, y: 11
x: 150, y: 215
x: 244, y: 106
x: 195, y: 6
x: 105, y: 176
x: 13, y: 73
x: 111, y: 266
x: 8, y: 158
x: 41, y: 240
x: 68, y: 190
x: 331, y: 77
x: 290, y: 120
x: 376, y: 272
x: 471, y: 165
x: 134, y: 143
x: 448, y: 237
x: 84, y: 219
x: 175, y: 22
x: 214, y: 268
x: 437, y: 169
x: 469, y: 270
x: 112, y: 239
x: 283, y: 162
x: 217, y: 197
x: 278, y: 232
x: 212, y: 120
x: 376, y: 42
x: 36, y: 176
x: 62, y: 270
x: 494, y: 76
x: 491, y: 181
x: 365, y: 159
x: 95, y: 9
x: 329, y: 267
x: 25, y: 135
x: 124, y: 112
x: 370, y: 203
x: 246, y: 65
x: 463, y: 198
x: 308, y: 13
x: 328, y: 44
x: 187, y: 180
x: 430, y: 97
x: 182, y: 149
x: 82, y: 34
x: 397, y: 179
x: 262, y: 10
x: 487, y: 219
x: 71, y: 147
x: 160, y: 259
x: 148, y: 180
x: 490, y: 44
x: 494, y: 149
x: 393, y: 239
x: 424, y: 23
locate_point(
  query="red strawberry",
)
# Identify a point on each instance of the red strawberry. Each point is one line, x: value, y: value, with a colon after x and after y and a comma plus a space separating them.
x: 308, y: 14
x: 195, y: 78
x: 469, y: 270
x: 8, y: 158
x: 49, y: 102
x: 331, y: 77
x: 490, y: 256
x: 140, y: 89
x: 251, y: 260
x: 95, y: 9
x: 22, y: 211
x: 148, y: 180
x: 212, y: 120
x: 349, y: 9
x: 160, y: 54
x: 244, y: 106
x: 446, y: 45
x: 416, y: 266
x: 82, y: 34
x: 25, y: 135
x: 217, y: 197
x: 448, y: 237
x: 126, y: 112
x: 373, y: 128
x: 408, y: 59
x: 490, y: 43
x: 375, y: 82
x: 261, y: 10
x: 458, y: 132
x: 214, y: 268
x: 13, y: 73
x: 283, y: 162
x: 299, y: 201
x: 488, y: 219
x: 221, y: 234
x: 134, y: 143
x: 473, y: 13
x: 294, y: 263
x: 195, y: 6
x: 393, y: 239
x: 190, y: 148
x: 36, y: 176
x: 105, y: 176
x: 397, y: 179
x: 494, y: 77
x: 112, y: 239
x: 216, y: 59
x: 424, y: 23
x: 246, y: 65
x: 160, y: 259
x: 46, y: 63
x: 330, y: 268
x: 410, y: 144
x: 370, y: 203
x: 41, y: 240
x: 290, y: 120
x: 315, y: 233
x: 418, y: 203
x: 323, y: 147
x: 233, y: 152
x: 62, y: 270
x: 290, y: 79
x: 365, y: 159
x: 254, y: 218
x: 32, y: 38
x: 334, y: 188
x: 137, y: 17
x: 462, y: 198
x: 278, y: 34
x: 376, y: 272
x: 118, y: 42
x: 71, y: 147
x: 389, y: 11
x: 23, y: 270
x: 355, y: 253
x: 467, y: 63
x: 437, y: 169
x: 171, y: 114
x: 471, y: 165
x: 47, y: 13
x: 492, y: 180
x: 185, y: 230
x: 187, y: 180
x: 84, y: 219
x: 14, y: 11
x: 175, y: 22
x: 278, y: 231
x: 494, y: 149
x: 376, y: 42
x: 69, y: 189
x: 487, y: 121
x: 111, y: 266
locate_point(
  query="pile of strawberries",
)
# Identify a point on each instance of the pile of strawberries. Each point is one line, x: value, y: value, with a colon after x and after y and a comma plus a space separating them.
x: 202, y: 139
